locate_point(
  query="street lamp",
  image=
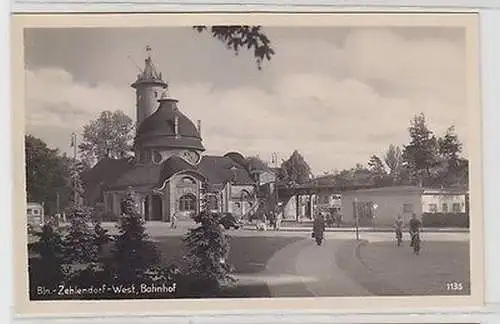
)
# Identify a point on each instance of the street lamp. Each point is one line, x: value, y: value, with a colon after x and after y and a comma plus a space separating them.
x: 375, y: 206
x: 356, y: 218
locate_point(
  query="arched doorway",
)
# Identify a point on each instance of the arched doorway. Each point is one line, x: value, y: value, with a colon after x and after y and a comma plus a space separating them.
x: 157, y: 208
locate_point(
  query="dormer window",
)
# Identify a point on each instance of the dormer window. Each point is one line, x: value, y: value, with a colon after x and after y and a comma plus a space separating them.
x: 157, y: 157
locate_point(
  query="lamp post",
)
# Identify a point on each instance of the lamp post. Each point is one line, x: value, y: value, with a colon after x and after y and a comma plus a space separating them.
x: 356, y: 218
x: 375, y: 206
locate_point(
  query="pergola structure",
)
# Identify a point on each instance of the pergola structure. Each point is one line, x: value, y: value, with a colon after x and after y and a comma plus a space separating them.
x: 286, y: 192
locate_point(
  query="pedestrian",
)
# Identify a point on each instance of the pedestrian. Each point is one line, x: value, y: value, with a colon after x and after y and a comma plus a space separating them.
x: 279, y: 218
x: 319, y: 227
x: 173, y: 221
x: 414, y: 226
x: 398, y: 227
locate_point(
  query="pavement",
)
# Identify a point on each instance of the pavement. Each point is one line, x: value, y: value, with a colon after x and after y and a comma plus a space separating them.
x: 162, y: 228
x: 288, y: 263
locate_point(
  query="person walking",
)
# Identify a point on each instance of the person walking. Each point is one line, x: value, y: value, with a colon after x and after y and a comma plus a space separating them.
x: 415, y: 226
x: 173, y: 221
x: 319, y: 228
x: 279, y: 217
x: 398, y: 227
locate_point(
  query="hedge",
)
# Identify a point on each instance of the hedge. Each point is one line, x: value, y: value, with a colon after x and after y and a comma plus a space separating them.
x: 445, y: 219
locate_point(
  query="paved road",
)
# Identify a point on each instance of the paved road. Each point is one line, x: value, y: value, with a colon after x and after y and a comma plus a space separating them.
x: 292, y: 265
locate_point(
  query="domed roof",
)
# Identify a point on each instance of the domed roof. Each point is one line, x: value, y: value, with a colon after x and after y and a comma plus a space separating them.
x: 168, y: 128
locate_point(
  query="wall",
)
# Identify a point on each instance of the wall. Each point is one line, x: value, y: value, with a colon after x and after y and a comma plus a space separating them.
x: 178, y: 187
x: 266, y: 177
x: 390, y: 205
x: 438, y: 199
x: 147, y: 100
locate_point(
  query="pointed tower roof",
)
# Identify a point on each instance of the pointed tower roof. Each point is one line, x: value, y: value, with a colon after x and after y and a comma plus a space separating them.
x: 149, y: 75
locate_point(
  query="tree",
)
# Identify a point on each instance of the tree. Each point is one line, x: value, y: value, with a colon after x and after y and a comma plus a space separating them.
x: 379, y: 172
x: 450, y: 147
x: 295, y: 169
x: 109, y: 136
x: 237, y: 37
x: 81, y: 248
x: 376, y: 166
x: 454, y: 170
x: 394, y: 161
x: 206, y: 261
x: 47, y: 175
x: 134, y: 254
x: 420, y: 155
x: 49, y: 271
x: 256, y: 163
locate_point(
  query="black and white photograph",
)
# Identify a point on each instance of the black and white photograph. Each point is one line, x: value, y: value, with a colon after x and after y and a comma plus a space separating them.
x: 257, y: 160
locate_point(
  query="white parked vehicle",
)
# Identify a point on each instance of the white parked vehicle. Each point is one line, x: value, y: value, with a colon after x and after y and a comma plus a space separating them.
x: 35, y: 214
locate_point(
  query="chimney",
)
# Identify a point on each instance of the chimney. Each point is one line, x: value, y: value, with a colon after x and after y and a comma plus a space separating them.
x: 199, y: 127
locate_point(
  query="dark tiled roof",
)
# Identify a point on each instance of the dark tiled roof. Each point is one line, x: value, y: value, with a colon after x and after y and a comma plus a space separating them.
x: 104, y: 173
x: 172, y: 166
x: 159, y: 130
x: 139, y: 175
x: 217, y: 170
x: 238, y: 158
x: 221, y: 169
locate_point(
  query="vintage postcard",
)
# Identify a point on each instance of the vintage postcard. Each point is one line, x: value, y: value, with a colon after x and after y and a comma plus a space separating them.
x: 180, y: 163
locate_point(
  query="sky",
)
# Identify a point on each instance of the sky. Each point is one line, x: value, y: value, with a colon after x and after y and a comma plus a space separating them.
x: 337, y: 95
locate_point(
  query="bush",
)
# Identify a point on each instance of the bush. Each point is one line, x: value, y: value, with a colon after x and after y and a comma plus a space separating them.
x: 205, y: 266
x: 206, y: 262
x: 81, y: 250
x: 133, y: 254
x: 445, y: 220
x: 49, y: 270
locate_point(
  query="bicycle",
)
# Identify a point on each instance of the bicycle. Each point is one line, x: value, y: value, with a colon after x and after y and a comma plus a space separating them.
x: 399, y: 237
x: 415, y: 239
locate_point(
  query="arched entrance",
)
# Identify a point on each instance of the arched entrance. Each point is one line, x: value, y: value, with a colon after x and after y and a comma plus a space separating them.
x: 157, y: 208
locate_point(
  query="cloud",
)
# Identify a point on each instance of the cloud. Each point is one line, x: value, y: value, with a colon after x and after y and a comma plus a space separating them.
x: 336, y: 102
x: 54, y: 98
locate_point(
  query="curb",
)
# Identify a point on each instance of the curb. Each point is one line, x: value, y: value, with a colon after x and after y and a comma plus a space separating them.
x: 362, y: 230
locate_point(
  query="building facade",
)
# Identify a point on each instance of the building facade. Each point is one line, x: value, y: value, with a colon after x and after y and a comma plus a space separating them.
x: 381, y: 206
x: 170, y: 166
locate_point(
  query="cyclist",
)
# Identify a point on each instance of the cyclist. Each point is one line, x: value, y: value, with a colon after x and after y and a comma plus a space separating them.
x: 415, y: 226
x: 398, y: 226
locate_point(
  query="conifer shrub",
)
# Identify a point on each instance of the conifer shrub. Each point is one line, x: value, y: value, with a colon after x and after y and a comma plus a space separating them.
x: 205, y: 264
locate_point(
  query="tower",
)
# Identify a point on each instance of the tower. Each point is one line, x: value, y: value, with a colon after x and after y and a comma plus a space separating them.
x: 149, y: 87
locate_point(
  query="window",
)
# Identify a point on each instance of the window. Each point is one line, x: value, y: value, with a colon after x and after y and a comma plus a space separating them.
x: 212, y: 201
x: 407, y: 208
x: 245, y: 195
x: 456, y: 207
x: 187, y: 181
x: 29, y: 211
x: 187, y: 203
x: 36, y: 212
x: 111, y: 202
x: 157, y: 157
x: 433, y: 208
x: 365, y: 209
x: 445, y: 207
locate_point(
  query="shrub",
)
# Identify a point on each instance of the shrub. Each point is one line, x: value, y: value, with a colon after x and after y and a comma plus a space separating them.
x: 133, y: 254
x: 445, y: 220
x: 48, y: 270
x: 206, y: 262
x: 81, y: 251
